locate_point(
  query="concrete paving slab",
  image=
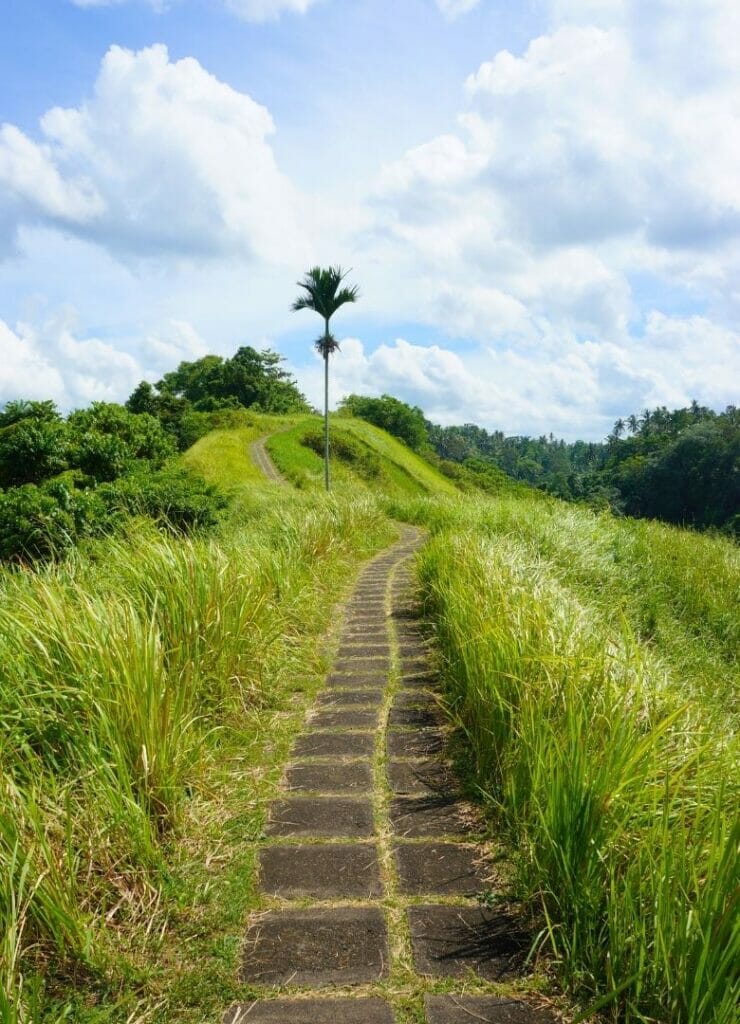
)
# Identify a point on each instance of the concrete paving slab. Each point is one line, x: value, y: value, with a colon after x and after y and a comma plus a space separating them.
x: 363, y: 663
x: 450, y: 941
x: 343, y: 777
x: 314, y: 947
x: 420, y: 681
x: 422, y: 778
x: 346, y: 718
x: 439, y: 869
x: 370, y: 697
x: 422, y: 817
x: 413, y: 666
x: 415, y: 718
x: 357, y: 680
x: 416, y: 648
x: 373, y: 634
x: 334, y: 744
x: 312, y: 1011
x: 320, y: 872
x: 416, y: 698
x: 488, y: 1009
x: 421, y: 743
x: 363, y: 649
x: 321, y: 817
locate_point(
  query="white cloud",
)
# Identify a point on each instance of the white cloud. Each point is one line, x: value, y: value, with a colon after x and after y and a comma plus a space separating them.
x: 178, y: 341
x: 576, y: 389
x: 163, y: 159
x: 454, y: 8
x: 28, y: 173
x: 578, y: 166
x: 49, y: 359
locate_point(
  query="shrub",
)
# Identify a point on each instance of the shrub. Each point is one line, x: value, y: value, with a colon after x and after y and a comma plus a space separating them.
x: 347, y: 449
x: 38, y: 523
x: 178, y: 500
x: 32, y: 450
x: 33, y: 524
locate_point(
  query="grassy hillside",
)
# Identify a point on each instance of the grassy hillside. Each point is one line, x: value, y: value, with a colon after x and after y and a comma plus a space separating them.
x: 222, y: 456
x: 150, y: 687
x: 592, y: 664
x: 369, y: 461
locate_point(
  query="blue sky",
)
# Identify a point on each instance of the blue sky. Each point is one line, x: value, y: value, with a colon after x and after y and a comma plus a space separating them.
x: 540, y: 201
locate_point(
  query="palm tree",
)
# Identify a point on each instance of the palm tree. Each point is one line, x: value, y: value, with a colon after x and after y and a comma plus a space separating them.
x: 324, y: 296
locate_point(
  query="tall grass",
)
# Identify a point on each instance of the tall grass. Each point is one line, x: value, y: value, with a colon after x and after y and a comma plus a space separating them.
x: 119, y: 671
x: 613, y: 769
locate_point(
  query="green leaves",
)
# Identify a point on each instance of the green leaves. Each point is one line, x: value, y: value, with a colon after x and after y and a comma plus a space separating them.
x: 323, y: 293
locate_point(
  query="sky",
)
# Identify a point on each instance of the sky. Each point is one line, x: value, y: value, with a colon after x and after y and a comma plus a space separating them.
x: 540, y: 200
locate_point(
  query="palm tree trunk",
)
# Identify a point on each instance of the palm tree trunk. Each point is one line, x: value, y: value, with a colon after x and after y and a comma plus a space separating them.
x: 327, y: 481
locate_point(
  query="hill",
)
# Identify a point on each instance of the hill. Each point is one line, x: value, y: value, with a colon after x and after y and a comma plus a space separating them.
x: 153, y: 682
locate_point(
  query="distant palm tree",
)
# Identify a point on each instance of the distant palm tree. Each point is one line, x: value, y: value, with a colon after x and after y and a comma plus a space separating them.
x: 324, y: 296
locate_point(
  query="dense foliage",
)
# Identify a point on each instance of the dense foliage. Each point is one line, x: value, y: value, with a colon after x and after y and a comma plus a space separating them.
x: 63, y: 480
x: 403, y: 421
x: 69, y: 479
x: 681, y: 466
x: 248, y: 380
x: 347, y: 448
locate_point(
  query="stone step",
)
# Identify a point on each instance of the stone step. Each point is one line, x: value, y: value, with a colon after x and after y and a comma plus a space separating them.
x: 321, y: 872
x: 312, y: 1011
x: 316, y: 947
x: 321, y: 817
x: 450, y: 942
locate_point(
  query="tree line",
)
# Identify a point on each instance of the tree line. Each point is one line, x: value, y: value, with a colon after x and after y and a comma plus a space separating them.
x: 681, y: 466
x: 66, y: 479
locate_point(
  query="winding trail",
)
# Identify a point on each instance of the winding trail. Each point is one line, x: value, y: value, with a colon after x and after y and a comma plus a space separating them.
x: 371, y: 860
x: 261, y: 458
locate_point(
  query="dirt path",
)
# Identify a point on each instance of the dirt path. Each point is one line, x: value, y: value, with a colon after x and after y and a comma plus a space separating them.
x: 261, y: 458
x: 371, y: 860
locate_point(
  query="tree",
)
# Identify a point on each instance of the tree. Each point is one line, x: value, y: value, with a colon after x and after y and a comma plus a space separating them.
x: 403, y: 421
x: 324, y: 296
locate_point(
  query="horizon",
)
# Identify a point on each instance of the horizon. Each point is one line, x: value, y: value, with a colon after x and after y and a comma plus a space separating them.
x: 541, y: 207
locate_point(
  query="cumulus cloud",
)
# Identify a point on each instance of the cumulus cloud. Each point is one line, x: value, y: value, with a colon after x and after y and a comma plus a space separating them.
x: 162, y: 160
x: 574, y: 388
x: 50, y: 359
x: 579, y: 166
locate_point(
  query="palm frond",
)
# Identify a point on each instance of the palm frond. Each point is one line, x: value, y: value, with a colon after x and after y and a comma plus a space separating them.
x: 322, y: 291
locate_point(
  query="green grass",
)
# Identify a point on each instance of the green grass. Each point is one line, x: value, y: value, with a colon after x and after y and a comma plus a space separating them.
x: 401, y: 471
x: 142, y: 681
x: 150, y: 688
x: 222, y: 456
x: 591, y: 663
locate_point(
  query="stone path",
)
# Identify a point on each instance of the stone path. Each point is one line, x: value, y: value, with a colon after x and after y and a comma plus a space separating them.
x: 371, y: 859
x: 261, y: 458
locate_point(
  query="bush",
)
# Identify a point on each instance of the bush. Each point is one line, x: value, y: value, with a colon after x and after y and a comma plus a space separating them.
x: 178, y: 500
x: 32, y: 450
x: 38, y: 523
x: 347, y: 449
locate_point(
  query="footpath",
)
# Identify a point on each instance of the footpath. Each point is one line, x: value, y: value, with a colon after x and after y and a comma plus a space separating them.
x: 371, y: 860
